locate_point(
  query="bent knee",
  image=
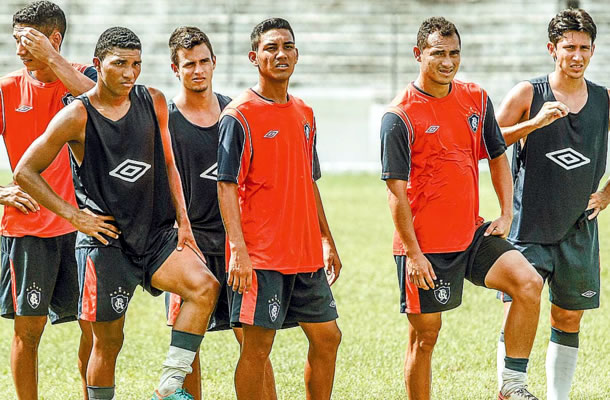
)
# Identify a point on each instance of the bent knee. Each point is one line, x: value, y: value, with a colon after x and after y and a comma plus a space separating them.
x: 203, y: 289
x: 528, y: 287
x: 566, y: 320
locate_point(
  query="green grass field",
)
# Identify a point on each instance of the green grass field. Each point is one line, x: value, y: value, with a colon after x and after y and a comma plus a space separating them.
x: 374, y: 333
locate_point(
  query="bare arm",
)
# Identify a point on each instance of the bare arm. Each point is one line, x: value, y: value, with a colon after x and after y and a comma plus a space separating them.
x: 419, y: 268
x: 185, y: 234
x: 67, y: 126
x: 501, y: 179
x: 41, y: 48
x: 240, y: 265
x: 514, y: 113
x: 332, y: 262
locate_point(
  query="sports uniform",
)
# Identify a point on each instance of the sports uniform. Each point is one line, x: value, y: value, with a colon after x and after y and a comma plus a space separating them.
x: 123, y: 174
x: 435, y: 144
x: 268, y: 150
x: 39, y: 273
x: 196, y: 152
x: 555, y: 172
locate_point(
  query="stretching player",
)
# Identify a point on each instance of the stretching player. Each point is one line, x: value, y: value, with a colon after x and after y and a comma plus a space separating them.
x: 559, y: 125
x: 433, y: 136
x: 129, y: 194
x: 279, y: 239
x: 39, y: 273
x: 193, y: 125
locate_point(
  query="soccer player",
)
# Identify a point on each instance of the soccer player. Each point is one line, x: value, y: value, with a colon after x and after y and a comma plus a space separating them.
x: 559, y: 126
x: 39, y: 273
x: 129, y: 194
x: 193, y: 125
x: 279, y: 241
x: 432, y: 137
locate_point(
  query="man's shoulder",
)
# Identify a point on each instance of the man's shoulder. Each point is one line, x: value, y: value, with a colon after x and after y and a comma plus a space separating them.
x: 470, y: 88
x: 12, y: 79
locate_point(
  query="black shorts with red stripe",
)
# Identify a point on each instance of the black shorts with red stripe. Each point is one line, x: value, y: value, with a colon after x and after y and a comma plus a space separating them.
x: 39, y: 277
x: 108, y: 276
x: 451, y: 269
x: 278, y: 301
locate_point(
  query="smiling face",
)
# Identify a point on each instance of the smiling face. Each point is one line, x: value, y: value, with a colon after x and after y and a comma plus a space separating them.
x: 119, y: 70
x: 440, y: 59
x: 572, y: 53
x: 276, y: 55
x: 195, y: 68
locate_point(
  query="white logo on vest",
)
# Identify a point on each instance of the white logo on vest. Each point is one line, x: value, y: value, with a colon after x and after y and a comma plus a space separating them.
x: 130, y: 170
x: 568, y: 158
x: 210, y: 173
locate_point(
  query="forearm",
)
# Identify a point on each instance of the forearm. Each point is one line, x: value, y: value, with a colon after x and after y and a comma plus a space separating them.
x: 37, y: 187
x: 228, y: 202
x: 501, y: 179
x: 324, y: 228
x: 514, y: 133
x: 403, y: 217
x: 175, y: 185
x: 75, y: 82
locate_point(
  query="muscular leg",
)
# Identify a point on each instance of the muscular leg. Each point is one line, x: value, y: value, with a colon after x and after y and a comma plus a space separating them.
x: 269, y: 392
x: 84, y: 351
x: 423, y: 333
x: 24, y: 355
x: 107, y: 343
x: 324, y: 339
x: 251, y: 367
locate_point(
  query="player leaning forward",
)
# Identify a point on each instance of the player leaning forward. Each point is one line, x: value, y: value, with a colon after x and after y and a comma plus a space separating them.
x: 433, y: 136
x: 279, y: 239
x: 129, y: 193
x: 559, y: 125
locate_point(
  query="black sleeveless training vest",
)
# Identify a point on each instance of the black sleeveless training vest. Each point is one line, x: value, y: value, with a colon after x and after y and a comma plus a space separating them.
x: 559, y: 167
x: 123, y: 174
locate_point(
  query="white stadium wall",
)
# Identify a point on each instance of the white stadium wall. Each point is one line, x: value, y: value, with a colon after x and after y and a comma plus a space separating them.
x: 354, y: 54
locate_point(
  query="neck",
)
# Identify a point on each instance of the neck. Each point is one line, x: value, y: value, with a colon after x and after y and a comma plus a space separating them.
x: 559, y: 80
x: 200, y: 100
x: 107, y: 97
x: 432, y: 88
x: 45, y: 75
x: 273, y: 90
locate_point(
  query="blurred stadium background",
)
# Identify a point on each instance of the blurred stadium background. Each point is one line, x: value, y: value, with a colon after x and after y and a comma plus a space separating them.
x: 354, y: 54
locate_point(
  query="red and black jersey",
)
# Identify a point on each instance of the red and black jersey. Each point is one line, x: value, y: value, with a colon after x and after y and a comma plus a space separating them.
x: 26, y: 107
x: 435, y: 144
x: 268, y: 149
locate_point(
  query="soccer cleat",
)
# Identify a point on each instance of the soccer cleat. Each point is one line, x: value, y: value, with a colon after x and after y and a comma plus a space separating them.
x: 179, y: 394
x: 519, y: 394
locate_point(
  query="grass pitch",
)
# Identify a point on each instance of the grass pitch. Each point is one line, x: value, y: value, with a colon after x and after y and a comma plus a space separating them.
x: 374, y: 333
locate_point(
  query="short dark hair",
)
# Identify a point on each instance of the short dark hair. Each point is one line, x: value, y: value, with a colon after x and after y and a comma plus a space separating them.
x: 42, y: 15
x: 572, y: 19
x: 116, y: 36
x: 435, y: 24
x: 187, y: 37
x: 267, y: 25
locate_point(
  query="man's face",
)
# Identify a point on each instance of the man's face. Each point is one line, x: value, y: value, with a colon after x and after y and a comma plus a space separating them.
x: 119, y: 69
x: 195, y: 68
x: 276, y: 55
x: 28, y: 60
x: 440, y: 60
x: 572, y: 53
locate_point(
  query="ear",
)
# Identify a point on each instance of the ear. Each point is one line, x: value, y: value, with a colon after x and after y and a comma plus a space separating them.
x: 592, y: 49
x: 175, y: 70
x: 417, y: 53
x: 55, y: 38
x: 97, y: 63
x: 252, y: 58
x: 552, y: 50
x: 297, y: 59
x: 213, y: 62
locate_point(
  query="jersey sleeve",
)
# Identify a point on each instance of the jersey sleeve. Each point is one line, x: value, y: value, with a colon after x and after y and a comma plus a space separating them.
x: 395, y: 148
x: 234, y: 150
x: 492, y: 143
x: 91, y: 73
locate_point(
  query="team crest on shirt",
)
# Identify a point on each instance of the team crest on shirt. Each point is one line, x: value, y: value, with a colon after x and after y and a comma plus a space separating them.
x: 34, y: 295
x: 307, y: 130
x: 473, y: 122
x: 119, y: 299
x: 67, y: 99
x: 274, y: 308
x: 442, y: 293
x: 23, y: 108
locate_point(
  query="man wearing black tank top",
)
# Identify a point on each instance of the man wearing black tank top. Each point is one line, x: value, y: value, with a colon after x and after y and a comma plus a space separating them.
x: 130, y: 195
x: 559, y: 125
x: 193, y: 125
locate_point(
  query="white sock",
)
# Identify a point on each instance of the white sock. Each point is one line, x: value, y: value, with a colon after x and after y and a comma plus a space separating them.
x: 500, y: 354
x: 560, y: 367
x: 177, y: 365
x: 512, y: 380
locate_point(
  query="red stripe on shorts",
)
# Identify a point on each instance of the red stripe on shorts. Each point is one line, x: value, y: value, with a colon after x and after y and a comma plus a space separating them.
x: 175, y: 302
x: 89, y: 302
x: 248, y: 302
x: 13, y: 285
x: 412, y: 294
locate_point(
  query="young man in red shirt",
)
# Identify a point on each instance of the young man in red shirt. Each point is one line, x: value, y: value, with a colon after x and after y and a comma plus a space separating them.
x: 433, y: 136
x: 282, y: 256
x: 39, y: 272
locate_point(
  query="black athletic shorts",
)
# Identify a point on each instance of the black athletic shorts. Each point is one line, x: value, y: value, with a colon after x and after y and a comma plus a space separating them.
x: 278, y: 301
x: 450, y: 268
x: 108, y: 276
x: 39, y: 277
